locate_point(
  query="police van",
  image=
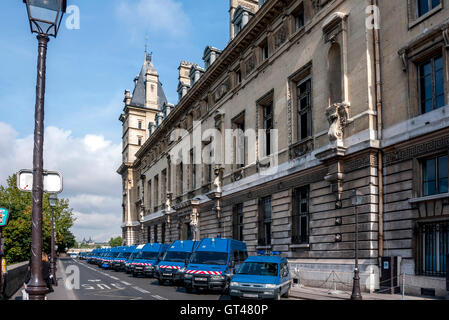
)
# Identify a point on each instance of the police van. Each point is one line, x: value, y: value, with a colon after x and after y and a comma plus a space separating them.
x: 213, y: 263
x: 119, y: 263
x: 132, y: 256
x: 173, y: 264
x: 262, y: 277
x: 147, y: 258
x: 110, y: 257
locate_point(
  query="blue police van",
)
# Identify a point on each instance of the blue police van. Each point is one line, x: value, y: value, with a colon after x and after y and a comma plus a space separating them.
x: 91, y: 256
x: 173, y: 264
x: 213, y: 263
x: 109, y: 258
x: 129, y: 261
x: 262, y: 277
x: 118, y: 264
x: 147, y: 258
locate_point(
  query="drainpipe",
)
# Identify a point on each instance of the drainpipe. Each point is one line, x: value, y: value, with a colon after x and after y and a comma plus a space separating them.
x: 379, y: 103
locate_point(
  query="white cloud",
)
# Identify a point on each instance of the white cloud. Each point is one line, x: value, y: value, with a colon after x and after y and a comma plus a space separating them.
x: 165, y: 17
x: 88, y: 165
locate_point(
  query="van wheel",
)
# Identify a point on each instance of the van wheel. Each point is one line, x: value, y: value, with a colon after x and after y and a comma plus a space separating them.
x: 189, y: 290
x: 134, y: 274
x: 278, y: 295
x: 161, y: 282
x: 287, y: 294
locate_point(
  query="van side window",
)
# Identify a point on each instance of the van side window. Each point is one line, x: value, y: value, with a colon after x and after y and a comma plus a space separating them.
x: 243, y: 255
x: 235, y: 256
x: 284, y: 268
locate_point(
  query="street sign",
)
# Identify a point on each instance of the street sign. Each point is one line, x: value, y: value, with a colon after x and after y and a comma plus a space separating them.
x: 4, y: 217
x: 52, y: 181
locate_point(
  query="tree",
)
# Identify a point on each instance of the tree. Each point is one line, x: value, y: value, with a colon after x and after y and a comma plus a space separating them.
x: 17, y: 234
x: 116, y: 242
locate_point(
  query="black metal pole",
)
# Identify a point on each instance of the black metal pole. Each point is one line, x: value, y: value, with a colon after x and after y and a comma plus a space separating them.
x: 356, y: 294
x: 53, y: 255
x: 37, y: 287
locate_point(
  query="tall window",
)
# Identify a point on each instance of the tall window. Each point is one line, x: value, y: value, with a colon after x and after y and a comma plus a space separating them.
x: 164, y: 185
x: 149, y: 196
x: 149, y: 235
x: 139, y: 141
x: 238, y: 222
x: 265, y: 50
x: 156, y: 192
x: 304, y: 105
x: 299, y: 17
x: 424, y: 6
x: 139, y: 124
x: 181, y: 178
x: 435, y: 175
x: 431, y: 77
x: 163, y: 233
x: 238, y: 125
x: 268, y: 125
x: 155, y: 233
x: 432, y: 248
x: 300, y: 221
x: 193, y: 169
x: 265, y: 221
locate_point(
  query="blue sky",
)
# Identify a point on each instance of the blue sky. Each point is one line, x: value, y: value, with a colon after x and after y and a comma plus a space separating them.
x: 87, y: 72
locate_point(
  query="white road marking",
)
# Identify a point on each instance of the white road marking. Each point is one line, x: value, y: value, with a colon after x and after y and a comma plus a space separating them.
x: 125, y: 283
x: 115, y: 278
x: 117, y: 286
x: 159, y: 297
x: 96, y: 280
x: 88, y: 287
x: 141, y: 290
x: 103, y: 285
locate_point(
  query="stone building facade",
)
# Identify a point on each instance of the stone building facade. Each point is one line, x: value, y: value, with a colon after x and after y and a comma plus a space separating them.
x: 324, y: 97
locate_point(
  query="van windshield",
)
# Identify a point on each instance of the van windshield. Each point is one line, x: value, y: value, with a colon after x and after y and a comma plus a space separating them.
x: 259, y: 269
x: 176, y: 256
x: 206, y: 257
x: 124, y: 255
x: 147, y: 255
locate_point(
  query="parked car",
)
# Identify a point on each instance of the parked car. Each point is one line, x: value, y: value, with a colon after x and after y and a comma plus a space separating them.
x: 147, y: 258
x: 173, y: 264
x: 74, y: 255
x: 213, y: 263
x: 262, y: 277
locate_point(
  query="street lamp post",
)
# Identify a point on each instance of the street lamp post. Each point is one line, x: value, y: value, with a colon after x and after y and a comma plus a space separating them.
x: 45, y: 17
x: 356, y: 293
x: 53, y: 201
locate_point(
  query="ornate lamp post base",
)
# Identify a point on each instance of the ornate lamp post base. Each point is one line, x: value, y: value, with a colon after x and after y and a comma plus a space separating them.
x: 356, y: 294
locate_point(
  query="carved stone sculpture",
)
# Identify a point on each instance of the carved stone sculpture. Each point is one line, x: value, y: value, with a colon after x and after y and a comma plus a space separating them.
x: 337, y: 115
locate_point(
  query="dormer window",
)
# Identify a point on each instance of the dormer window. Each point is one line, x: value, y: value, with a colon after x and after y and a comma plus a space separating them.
x: 240, y: 19
x: 210, y: 55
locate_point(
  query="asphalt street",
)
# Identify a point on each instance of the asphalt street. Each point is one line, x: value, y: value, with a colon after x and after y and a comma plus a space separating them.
x: 99, y: 284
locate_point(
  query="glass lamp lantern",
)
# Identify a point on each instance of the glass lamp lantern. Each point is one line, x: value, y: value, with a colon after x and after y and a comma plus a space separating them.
x: 45, y: 16
x: 52, y: 200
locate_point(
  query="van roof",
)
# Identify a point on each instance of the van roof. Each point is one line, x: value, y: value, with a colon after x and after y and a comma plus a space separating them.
x: 219, y: 244
x: 270, y: 259
x: 152, y: 247
x: 183, y: 245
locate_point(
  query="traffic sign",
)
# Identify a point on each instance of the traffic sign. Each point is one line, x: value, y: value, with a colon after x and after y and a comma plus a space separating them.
x: 4, y: 217
x: 52, y: 181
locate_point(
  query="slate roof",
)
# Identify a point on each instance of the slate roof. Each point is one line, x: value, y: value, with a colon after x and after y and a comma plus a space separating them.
x: 138, y: 98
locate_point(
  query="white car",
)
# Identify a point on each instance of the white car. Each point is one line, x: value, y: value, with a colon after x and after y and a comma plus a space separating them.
x: 74, y: 255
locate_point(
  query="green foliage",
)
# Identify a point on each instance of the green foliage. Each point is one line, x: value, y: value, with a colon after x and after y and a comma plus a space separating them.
x: 17, y: 234
x: 116, y: 242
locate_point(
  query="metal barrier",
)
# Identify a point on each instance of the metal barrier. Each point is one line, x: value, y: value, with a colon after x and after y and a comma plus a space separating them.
x: 14, y: 279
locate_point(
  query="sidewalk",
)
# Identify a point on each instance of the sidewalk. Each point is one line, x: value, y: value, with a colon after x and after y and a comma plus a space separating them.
x: 60, y: 291
x: 308, y: 293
